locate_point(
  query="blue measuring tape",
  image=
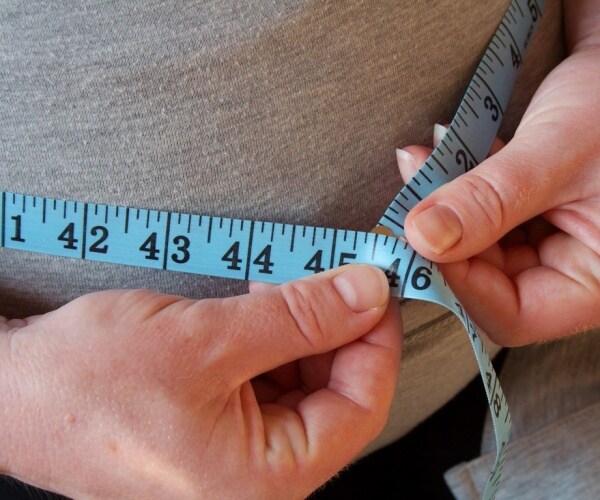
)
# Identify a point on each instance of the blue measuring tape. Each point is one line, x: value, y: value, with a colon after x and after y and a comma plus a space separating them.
x: 276, y: 253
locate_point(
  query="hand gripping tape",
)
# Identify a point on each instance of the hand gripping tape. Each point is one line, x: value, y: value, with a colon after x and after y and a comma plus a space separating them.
x: 276, y: 253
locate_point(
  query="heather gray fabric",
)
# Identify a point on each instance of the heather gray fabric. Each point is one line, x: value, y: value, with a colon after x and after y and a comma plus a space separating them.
x: 279, y: 110
x: 554, y: 391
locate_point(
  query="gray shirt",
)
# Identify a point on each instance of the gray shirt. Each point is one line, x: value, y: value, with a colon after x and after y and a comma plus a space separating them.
x: 279, y: 110
x: 287, y: 111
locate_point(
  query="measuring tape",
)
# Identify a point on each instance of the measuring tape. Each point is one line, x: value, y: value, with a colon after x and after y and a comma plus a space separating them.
x: 276, y: 253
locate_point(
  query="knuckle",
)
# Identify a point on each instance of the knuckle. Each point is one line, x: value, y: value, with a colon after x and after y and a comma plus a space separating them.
x: 487, y: 200
x: 144, y: 308
x: 300, y: 301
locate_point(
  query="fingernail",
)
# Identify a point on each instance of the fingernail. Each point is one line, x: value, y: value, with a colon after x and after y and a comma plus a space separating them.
x: 362, y: 287
x: 438, y: 227
x: 383, y: 230
x: 407, y: 164
x: 438, y: 134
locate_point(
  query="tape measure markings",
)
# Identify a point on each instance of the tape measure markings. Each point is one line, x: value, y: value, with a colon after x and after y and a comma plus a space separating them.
x: 230, y: 248
x: 194, y: 244
x: 477, y: 110
x: 485, y: 110
x: 275, y: 252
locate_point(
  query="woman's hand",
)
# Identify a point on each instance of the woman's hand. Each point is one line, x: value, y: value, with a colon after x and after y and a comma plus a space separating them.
x: 134, y: 394
x: 518, y: 237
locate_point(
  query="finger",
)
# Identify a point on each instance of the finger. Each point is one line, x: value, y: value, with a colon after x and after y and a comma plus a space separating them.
x: 493, y: 255
x: 8, y: 325
x: 517, y: 259
x: 469, y: 214
x: 555, y: 298
x: 259, y: 286
x: 410, y: 159
x: 439, y: 131
x: 271, y: 385
x: 363, y: 371
x: 254, y: 333
x: 354, y: 403
x: 310, y: 374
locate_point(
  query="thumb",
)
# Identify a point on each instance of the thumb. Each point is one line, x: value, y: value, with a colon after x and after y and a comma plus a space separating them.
x: 471, y: 213
x: 259, y: 331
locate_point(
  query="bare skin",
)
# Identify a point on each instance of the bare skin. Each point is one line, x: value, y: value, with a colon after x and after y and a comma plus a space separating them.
x: 127, y: 394
x: 135, y: 394
x: 518, y: 237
